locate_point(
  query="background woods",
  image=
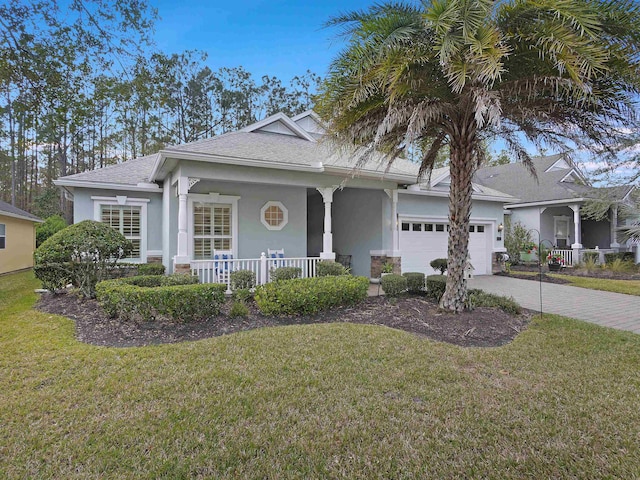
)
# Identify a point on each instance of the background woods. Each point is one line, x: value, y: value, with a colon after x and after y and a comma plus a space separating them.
x: 81, y: 88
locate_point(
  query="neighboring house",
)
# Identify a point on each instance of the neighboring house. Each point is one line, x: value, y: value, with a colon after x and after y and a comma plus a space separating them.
x: 551, y: 204
x: 274, y: 186
x: 17, y: 238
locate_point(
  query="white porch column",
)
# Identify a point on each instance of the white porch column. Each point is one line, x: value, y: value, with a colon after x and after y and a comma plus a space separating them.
x: 327, y: 237
x: 395, y: 238
x: 614, y: 224
x: 576, y: 226
x: 182, y: 256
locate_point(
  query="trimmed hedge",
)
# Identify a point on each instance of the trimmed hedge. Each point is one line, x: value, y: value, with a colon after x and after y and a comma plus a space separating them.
x: 393, y: 285
x: 307, y: 296
x: 151, y: 269
x: 242, y: 280
x: 150, y: 296
x: 480, y: 298
x: 623, y: 256
x: 285, y: 273
x: 436, y: 285
x: 330, y: 269
x: 415, y: 282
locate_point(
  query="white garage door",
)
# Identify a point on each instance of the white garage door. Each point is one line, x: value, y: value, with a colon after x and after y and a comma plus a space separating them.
x: 421, y: 242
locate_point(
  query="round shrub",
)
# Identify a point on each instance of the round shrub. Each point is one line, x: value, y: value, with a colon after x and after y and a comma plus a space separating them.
x: 51, y: 225
x: 330, y: 269
x: 393, y: 285
x: 415, y: 281
x: 436, y: 285
x: 81, y: 254
x: 307, y: 296
x: 480, y: 298
x: 238, y: 309
x: 242, y: 279
x: 174, y: 296
x: 439, y: 264
x: 151, y: 269
x: 285, y: 273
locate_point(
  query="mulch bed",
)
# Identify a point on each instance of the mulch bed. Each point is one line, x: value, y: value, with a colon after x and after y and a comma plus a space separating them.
x: 580, y: 272
x: 483, y: 327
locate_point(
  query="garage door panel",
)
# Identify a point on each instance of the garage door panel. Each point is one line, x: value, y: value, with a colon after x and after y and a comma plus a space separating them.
x: 422, y: 242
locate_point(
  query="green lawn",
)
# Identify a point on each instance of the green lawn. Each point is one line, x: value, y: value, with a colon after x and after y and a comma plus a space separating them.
x: 315, y: 401
x: 629, y: 287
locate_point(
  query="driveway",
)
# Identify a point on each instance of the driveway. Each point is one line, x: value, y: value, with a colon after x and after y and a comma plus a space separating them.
x: 608, y: 309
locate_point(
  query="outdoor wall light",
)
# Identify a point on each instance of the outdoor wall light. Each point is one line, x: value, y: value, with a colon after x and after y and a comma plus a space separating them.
x: 500, y: 227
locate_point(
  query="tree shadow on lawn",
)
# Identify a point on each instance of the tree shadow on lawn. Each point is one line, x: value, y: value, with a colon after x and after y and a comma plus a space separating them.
x: 482, y: 327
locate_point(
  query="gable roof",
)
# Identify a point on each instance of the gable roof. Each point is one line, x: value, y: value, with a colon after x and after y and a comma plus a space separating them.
x: 9, y: 210
x: 552, y: 185
x: 276, y: 142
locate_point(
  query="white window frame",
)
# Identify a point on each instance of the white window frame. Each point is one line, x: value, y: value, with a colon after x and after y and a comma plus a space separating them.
x: 213, y: 198
x: 285, y: 215
x: 562, y: 218
x: 4, y: 236
x: 124, y: 201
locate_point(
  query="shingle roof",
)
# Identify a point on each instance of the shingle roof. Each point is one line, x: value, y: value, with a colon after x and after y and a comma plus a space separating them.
x: 515, y: 179
x: 131, y: 172
x: 12, y: 211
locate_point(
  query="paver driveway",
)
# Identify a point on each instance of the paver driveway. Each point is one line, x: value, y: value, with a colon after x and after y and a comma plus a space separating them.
x: 608, y: 309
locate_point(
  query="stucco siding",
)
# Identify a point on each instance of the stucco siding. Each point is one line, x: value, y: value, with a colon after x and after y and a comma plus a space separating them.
x: 358, y: 225
x: 20, y: 244
x: 83, y: 209
x: 253, y: 237
x: 529, y: 217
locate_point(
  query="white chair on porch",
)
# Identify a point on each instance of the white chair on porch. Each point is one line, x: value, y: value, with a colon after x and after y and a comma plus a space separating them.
x: 274, y: 255
x: 222, y: 265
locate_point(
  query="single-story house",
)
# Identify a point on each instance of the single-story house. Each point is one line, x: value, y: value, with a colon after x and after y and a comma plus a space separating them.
x: 274, y: 188
x: 17, y: 238
x: 551, y: 205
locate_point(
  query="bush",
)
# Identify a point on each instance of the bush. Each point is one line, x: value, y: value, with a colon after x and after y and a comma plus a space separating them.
x: 436, y: 285
x: 415, y: 282
x: 591, y: 257
x: 622, y: 266
x: 439, y: 264
x: 152, y: 296
x: 81, y: 254
x: 516, y: 238
x: 242, y: 295
x: 51, y: 225
x: 480, y: 298
x: 238, y: 309
x: 150, y: 269
x: 307, y: 296
x: 609, y: 258
x: 285, y: 273
x: 393, y: 285
x: 242, y: 279
x: 330, y: 269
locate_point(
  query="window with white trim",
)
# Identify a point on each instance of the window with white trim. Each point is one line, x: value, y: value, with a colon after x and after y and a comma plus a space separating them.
x: 3, y: 236
x: 211, y: 229
x: 274, y: 215
x: 127, y: 220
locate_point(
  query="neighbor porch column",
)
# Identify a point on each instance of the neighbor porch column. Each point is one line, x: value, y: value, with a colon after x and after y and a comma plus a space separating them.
x: 614, y: 225
x: 576, y: 227
x: 327, y: 237
x: 181, y: 260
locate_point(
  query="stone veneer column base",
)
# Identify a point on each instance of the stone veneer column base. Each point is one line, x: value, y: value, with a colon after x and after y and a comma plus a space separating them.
x: 182, y: 268
x: 496, y: 262
x: 377, y: 261
x: 154, y: 259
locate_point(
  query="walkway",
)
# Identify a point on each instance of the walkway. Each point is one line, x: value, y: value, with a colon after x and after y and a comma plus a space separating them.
x: 608, y: 309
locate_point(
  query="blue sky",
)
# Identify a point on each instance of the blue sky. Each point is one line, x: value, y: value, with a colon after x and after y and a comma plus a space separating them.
x: 282, y: 38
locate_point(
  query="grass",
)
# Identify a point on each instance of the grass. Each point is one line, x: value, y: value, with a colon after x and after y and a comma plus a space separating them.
x: 628, y: 287
x: 315, y: 401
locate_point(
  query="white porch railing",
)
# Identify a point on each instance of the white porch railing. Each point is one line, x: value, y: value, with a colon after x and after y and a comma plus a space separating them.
x: 218, y: 271
x: 565, y: 255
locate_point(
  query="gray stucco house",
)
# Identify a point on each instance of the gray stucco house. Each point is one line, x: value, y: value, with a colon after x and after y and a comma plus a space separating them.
x: 273, y: 188
x: 552, y: 203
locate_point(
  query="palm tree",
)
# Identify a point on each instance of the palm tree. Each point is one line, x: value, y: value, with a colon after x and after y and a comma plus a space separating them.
x: 413, y: 80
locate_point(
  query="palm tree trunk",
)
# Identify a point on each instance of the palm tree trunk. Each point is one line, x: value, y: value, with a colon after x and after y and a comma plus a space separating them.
x: 462, y: 167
